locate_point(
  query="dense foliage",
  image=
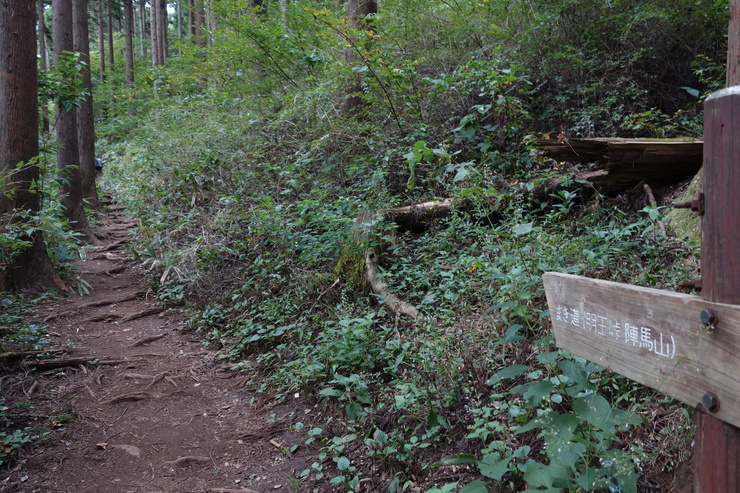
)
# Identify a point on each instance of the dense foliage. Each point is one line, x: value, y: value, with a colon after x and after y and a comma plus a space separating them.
x: 248, y: 174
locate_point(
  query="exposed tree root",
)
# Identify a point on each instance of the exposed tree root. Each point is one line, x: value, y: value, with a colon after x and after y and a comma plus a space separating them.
x: 145, y: 313
x: 157, y: 379
x: 116, y: 270
x: 131, y: 397
x: 147, y: 340
x: 107, y: 317
x: 188, y: 459
x: 95, y: 304
x: 55, y: 364
x: 116, y: 245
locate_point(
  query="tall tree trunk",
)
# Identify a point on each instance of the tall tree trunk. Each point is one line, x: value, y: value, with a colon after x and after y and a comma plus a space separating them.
x: 164, y: 25
x: 284, y: 12
x: 85, y: 122
x: 19, y: 143
x: 111, y: 55
x: 142, y: 23
x: 199, y: 20
x: 68, y: 156
x: 357, y: 14
x: 128, y: 12
x: 211, y: 23
x: 154, y: 29
x: 43, y: 66
x: 180, y: 32
x: 101, y: 39
x: 733, y: 45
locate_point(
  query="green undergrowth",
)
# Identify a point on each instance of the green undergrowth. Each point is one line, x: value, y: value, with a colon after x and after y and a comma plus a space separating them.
x: 259, y: 196
x: 268, y: 262
x: 19, y: 427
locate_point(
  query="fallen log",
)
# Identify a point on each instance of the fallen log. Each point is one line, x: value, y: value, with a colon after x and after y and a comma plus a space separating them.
x: 627, y: 162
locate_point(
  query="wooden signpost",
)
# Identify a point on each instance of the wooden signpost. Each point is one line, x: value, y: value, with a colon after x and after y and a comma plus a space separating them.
x: 686, y: 346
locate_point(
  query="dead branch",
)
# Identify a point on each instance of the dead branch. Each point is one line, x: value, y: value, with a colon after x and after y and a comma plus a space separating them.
x: 654, y: 204
x: 392, y: 302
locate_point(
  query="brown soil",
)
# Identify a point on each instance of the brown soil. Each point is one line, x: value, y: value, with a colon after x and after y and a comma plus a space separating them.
x: 135, y: 405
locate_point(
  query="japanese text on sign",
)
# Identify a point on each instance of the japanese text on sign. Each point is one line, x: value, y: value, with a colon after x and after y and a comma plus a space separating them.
x: 623, y: 331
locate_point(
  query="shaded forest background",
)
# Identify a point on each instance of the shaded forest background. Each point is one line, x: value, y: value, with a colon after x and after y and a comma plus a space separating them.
x: 264, y: 147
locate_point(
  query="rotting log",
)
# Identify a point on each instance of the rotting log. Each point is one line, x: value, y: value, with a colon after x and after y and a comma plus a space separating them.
x: 410, y: 216
x: 622, y: 163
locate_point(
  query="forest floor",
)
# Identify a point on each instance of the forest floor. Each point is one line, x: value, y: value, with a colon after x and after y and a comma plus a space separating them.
x: 136, y: 405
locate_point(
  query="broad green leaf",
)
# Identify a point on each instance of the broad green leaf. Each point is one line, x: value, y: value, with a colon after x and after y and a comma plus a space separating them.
x: 594, y: 410
x: 475, y: 487
x: 508, y: 372
x: 576, y: 373
x: 457, y: 460
x: 342, y: 463
x: 522, y: 229
x: 492, y: 466
x: 534, y: 392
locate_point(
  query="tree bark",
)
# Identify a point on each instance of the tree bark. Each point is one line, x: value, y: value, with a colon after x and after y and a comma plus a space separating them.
x: 43, y: 66
x: 358, y: 12
x: 85, y: 119
x: 199, y: 20
x: 154, y: 30
x: 733, y: 45
x: 284, y: 13
x: 163, y: 34
x: 111, y: 55
x: 19, y: 144
x: 68, y: 154
x: 142, y: 23
x: 179, y: 20
x: 128, y: 12
x: 101, y: 39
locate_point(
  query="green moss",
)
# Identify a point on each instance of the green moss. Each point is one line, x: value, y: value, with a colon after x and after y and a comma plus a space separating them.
x: 685, y: 223
x: 351, y: 267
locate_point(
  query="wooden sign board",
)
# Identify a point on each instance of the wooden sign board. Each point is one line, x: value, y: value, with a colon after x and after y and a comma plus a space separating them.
x: 651, y: 336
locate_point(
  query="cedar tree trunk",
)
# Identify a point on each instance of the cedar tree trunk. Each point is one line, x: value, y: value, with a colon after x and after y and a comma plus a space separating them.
x: 19, y: 143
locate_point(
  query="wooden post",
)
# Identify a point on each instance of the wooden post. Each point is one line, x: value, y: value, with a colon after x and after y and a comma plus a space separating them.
x: 716, y: 457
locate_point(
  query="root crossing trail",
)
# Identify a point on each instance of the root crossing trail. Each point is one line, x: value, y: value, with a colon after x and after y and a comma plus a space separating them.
x: 137, y: 406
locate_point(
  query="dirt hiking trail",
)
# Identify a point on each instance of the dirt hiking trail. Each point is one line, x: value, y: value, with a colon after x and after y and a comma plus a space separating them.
x: 137, y: 406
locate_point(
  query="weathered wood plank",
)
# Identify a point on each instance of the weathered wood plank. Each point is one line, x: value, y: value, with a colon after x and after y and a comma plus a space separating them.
x: 717, y: 450
x: 629, y: 161
x: 651, y: 336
